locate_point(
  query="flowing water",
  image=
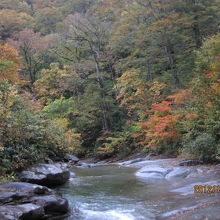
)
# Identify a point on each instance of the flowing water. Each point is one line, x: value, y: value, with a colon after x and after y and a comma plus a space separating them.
x: 114, y: 193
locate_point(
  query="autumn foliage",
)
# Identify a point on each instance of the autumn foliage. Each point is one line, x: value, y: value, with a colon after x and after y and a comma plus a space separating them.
x: 9, y: 63
x: 108, y: 78
x: 161, y: 127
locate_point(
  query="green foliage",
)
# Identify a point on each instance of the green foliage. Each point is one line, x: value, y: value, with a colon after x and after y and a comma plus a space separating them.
x: 8, y: 178
x: 80, y: 6
x: 202, y: 147
x: 108, y: 78
x: 26, y: 135
x: 60, y: 108
x: 207, y: 54
x: 206, y: 89
x: 46, y: 20
x: 121, y: 144
x: 5, y: 64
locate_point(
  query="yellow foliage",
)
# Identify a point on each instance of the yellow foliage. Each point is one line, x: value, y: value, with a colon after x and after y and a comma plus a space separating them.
x: 216, y: 88
x: 9, y: 63
x: 62, y: 122
x: 73, y: 140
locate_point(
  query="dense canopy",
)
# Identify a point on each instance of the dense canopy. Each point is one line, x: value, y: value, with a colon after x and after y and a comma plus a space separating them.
x: 108, y: 78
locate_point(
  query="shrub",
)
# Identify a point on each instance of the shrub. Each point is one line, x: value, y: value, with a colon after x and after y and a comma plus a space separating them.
x: 27, y: 135
x: 202, y: 147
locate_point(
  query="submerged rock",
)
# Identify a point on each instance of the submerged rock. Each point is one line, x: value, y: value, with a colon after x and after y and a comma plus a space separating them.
x: 25, y: 201
x: 46, y: 175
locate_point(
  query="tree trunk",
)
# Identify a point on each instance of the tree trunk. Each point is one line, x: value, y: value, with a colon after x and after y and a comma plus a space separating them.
x: 171, y: 62
x: 104, y: 107
x: 149, y: 72
x: 197, y: 33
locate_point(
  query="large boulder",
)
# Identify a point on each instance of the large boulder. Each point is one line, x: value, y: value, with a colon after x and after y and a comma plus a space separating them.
x: 46, y: 175
x: 25, y: 201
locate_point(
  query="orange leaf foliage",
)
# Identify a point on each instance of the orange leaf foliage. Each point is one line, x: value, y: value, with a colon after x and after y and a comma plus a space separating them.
x: 162, y: 107
x: 180, y: 98
x: 210, y: 75
x: 161, y: 126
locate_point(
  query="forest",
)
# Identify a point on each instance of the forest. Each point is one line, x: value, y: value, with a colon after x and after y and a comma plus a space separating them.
x: 108, y: 78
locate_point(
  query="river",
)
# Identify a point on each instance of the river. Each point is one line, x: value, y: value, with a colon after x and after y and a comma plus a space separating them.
x: 113, y: 192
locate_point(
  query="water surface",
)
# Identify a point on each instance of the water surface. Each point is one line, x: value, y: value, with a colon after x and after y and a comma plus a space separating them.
x: 114, y: 193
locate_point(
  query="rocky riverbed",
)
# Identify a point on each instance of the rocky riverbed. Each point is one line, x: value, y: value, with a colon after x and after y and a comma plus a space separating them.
x: 138, y: 189
x: 143, y: 189
x: 187, y: 195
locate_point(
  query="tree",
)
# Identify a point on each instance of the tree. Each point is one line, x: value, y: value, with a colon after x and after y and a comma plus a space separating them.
x: 57, y: 82
x: 80, y: 6
x: 46, y: 20
x: 136, y: 94
x: 164, y: 128
x: 16, y: 5
x: 27, y: 135
x: 201, y: 137
x: 201, y: 18
x: 161, y: 127
x: 12, y: 22
x: 31, y: 46
x: 158, y: 37
x: 9, y: 63
x: 88, y: 34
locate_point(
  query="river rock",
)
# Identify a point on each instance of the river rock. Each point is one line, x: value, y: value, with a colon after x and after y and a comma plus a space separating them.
x: 205, y: 209
x: 153, y: 172
x: 129, y: 162
x: 178, y: 172
x: 24, y: 187
x: 21, y: 212
x: 86, y: 165
x: 46, y: 175
x: 190, y: 162
x: 72, y: 175
x: 71, y: 159
x: 25, y: 201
